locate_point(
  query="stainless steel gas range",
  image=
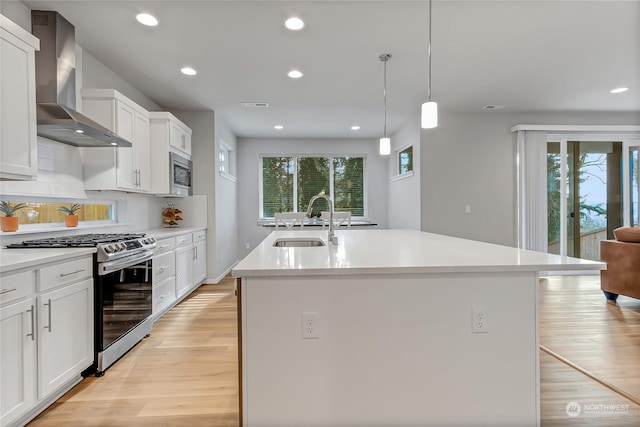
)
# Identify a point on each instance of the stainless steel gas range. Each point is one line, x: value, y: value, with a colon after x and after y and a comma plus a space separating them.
x: 122, y: 289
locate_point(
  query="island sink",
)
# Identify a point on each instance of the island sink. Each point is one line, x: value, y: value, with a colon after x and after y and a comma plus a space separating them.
x: 298, y: 242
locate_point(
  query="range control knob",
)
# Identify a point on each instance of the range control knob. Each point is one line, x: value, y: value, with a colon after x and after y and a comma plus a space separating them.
x: 111, y: 248
x: 122, y: 246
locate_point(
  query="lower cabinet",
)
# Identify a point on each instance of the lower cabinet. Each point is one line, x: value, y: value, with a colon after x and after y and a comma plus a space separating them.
x: 17, y: 359
x: 46, y: 336
x: 184, y: 269
x: 66, y: 338
x: 179, y: 267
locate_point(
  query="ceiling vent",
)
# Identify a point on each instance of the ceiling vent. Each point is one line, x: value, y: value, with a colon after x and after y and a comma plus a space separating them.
x: 493, y: 107
x: 255, y: 104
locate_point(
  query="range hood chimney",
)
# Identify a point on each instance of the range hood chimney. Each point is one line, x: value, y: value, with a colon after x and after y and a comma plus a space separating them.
x: 57, y: 117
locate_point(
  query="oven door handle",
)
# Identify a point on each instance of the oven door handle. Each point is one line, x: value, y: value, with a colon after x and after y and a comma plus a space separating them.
x: 117, y: 265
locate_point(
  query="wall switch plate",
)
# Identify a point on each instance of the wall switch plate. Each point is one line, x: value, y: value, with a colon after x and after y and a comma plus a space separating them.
x: 310, y: 328
x: 467, y: 209
x: 247, y: 246
x: 479, y: 320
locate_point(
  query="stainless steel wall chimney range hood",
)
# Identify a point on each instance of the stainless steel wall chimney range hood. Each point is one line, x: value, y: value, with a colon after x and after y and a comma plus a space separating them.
x: 56, y: 87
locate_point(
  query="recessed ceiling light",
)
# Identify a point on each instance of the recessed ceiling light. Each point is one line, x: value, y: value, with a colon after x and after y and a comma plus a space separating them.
x: 294, y: 23
x: 295, y: 74
x: 146, y: 19
x: 189, y: 71
x: 279, y: 127
x: 619, y: 90
x: 355, y: 127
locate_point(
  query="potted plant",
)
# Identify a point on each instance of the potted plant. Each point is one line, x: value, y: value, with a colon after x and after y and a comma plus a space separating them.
x: 8, y: 221
x: 71, y: 220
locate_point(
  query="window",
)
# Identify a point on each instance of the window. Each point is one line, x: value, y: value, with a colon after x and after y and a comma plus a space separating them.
x: 288, y: 183
x: 405, y: 160
x: 226, y: 162
x: 48, y: 212
x: 223, y: 157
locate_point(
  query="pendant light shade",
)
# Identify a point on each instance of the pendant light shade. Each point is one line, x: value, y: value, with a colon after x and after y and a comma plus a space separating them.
x: 429, y: 114
x: 385, y: 146
x: 385, y: 143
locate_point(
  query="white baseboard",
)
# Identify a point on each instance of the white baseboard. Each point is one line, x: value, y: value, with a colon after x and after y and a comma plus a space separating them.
x: 222, y: 276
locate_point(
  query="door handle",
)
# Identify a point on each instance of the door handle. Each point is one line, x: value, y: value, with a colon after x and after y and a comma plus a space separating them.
x: 49, y: 304
x: 572, y: 215
x: 33, y: 321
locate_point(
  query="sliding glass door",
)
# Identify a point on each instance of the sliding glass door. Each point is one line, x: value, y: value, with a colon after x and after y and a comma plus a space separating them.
x: 584, y: 195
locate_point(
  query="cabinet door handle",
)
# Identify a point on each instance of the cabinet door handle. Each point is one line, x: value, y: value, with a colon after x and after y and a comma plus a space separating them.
x: 33, y: 321
x: 164, y: 296
x: 162, y: 269
x: 163, y: 246
x: 49, y: 304
x: 73, y: 272
x: 6, y: 291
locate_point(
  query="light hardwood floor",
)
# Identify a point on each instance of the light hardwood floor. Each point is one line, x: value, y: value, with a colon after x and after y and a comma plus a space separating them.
x: 185, y: 373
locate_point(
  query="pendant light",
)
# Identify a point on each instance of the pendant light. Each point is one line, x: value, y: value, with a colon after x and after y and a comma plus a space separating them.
x: 385, y: 143
x: 429, y: 115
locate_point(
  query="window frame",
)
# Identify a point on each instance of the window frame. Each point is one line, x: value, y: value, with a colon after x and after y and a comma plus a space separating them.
x: 399, y: 176
x: 365, y: 188
x: 225, y: 167
x: 60, y: 226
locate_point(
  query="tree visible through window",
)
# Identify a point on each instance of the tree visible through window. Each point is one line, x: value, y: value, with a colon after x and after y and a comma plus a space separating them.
x: 405, y: 160
x: 341, y: 178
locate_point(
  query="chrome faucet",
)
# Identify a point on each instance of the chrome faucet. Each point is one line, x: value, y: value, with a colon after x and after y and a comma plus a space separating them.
x: 332, y: 237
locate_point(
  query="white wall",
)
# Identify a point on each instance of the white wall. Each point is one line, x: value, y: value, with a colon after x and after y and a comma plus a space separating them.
x: 16, y: 12
x: 221, y: 194
x: 404, y: 194
x: 469, y: 159
x: 226, y: 206
x: 249, y: 150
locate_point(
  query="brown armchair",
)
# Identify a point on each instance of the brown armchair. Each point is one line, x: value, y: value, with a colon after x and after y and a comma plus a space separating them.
x: 622, y: 276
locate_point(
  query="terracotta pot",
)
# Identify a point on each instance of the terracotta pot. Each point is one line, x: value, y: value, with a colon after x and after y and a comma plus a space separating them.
x: 71, y: 220
x: 9, y: 223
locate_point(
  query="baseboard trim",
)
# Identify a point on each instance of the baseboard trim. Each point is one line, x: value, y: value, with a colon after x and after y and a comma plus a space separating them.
x: 223, y: 275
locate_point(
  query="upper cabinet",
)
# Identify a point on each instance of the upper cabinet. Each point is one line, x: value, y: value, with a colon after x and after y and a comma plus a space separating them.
x: 18, y: 140
x: 173, y: 131
x: 117, y: 168
x: 168, y: 134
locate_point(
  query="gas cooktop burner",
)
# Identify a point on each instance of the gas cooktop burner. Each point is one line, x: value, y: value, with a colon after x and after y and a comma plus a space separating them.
x: 79, y: 241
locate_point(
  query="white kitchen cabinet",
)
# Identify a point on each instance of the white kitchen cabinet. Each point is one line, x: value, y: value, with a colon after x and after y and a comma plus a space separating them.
x: 200, y: 257
x: 66, y: 335
x: 168, y: 134
x: 18, y: 132
x: 18, y: 346
x: 184, y: 269
x: 46, y: 336
x: 121, y: 168
x: 164, y: 276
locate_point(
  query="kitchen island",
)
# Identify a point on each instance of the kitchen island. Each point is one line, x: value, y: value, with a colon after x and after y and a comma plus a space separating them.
x: 390, y: 328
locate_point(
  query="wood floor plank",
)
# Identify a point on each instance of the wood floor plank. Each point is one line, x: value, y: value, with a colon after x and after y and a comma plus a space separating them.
x: 185, y: 373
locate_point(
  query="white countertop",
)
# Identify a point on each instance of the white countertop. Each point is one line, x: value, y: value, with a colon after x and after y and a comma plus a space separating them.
x: 396, y: 251
x: 15, y: 259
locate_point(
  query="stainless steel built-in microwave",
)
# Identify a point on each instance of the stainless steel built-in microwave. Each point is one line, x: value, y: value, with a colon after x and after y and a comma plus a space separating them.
x: 181, y: 175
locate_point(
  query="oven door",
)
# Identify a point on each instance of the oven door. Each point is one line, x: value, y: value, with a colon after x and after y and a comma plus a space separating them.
x: 123, y: 299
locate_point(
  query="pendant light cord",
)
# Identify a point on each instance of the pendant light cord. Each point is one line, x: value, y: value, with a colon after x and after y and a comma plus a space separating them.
x: 385, y: 99
x: 429, y: 83
x: 384, y: 58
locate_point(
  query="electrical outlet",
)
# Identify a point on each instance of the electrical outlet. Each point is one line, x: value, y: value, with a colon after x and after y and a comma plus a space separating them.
x: 310, y: 325
x: 479, y: 320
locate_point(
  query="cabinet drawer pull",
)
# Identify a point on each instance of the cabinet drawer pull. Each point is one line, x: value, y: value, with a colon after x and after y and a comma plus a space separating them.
x: 49, y: 326
x: 163, y: 246
x: 163, y: 296
x: 6, y: 291
x: 73, y: 272
x: 33, y: 321
x: 162, y: 269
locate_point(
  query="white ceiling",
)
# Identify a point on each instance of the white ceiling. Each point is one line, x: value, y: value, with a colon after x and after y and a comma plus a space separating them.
x: 528, y: 55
